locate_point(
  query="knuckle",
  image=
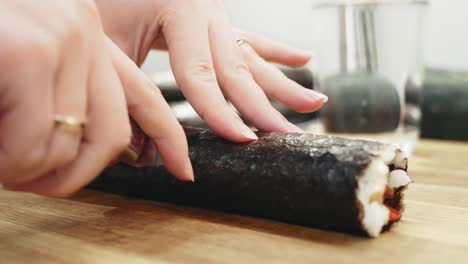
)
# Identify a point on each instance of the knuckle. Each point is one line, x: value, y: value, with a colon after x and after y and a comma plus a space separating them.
x: 201, y: 71
x: 74, y: 32
x: 78, y: 21
x: 88, y: 8
x: 241, y: 68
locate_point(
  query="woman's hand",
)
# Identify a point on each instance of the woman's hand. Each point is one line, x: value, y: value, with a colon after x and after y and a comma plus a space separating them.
x: 208, y: 63
x: 56, y: 60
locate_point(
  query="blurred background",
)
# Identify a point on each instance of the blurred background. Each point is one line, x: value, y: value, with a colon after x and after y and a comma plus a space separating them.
x: 437, y: 105
x: 446, y: 42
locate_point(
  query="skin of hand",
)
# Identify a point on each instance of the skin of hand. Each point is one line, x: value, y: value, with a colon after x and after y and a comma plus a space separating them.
x: 209, y: 65
x: 57, y: 60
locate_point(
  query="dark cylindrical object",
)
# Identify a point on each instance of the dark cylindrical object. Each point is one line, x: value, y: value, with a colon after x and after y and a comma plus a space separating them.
x: 303, y: 179
x: 445, y: 105
x: 171, y: 92
x: 361, y: 103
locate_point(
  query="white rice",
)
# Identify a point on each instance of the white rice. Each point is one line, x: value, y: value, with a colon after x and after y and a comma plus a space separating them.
x: 374, y: 180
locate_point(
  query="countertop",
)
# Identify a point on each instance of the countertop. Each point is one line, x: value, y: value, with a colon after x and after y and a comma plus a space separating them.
x: 93, y: 227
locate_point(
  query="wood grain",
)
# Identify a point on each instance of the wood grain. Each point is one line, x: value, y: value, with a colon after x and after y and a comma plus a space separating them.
x: 93, y: 227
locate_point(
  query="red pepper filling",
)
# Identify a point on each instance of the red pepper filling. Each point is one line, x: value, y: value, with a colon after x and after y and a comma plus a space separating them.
x: 395, y: 215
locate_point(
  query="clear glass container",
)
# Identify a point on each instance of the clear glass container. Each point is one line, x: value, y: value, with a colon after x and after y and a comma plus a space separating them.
x: 368, y: 58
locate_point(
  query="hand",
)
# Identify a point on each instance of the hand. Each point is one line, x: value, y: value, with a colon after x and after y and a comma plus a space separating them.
x: 208, y: 64
x: 56, y: 60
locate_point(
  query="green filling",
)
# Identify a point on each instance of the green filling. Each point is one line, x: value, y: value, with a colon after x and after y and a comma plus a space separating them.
x: 386, y: 214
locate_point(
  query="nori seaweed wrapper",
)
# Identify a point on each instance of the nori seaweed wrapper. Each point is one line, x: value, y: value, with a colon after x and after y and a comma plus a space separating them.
x: 301, y: 179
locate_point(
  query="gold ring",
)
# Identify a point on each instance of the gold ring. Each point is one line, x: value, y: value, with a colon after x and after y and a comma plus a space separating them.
x: 241, y: 41
x: 69, y: 124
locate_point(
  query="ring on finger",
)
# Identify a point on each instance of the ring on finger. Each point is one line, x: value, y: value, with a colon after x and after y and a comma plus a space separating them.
x: 69, y: 124
x: 241, y: 41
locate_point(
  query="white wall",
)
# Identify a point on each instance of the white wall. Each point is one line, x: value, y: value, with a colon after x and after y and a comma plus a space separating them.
x: 287, y: 20
x: 448, y: 36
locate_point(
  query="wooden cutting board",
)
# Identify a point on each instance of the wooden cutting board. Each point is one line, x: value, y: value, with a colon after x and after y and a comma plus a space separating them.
x: 93, y: 227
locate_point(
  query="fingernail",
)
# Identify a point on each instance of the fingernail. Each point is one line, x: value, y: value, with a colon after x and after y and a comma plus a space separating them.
x: 324, y: 98
x: 245, y: 130
x: 188, y: 171
x: 316, y: 95
x: 293, y: 128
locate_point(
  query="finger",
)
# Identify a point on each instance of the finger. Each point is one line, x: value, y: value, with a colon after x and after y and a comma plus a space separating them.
x: 191, y: 61
x: 159, y: 43
x: 268, y: 49
x: 276, y: 85
x: 275, y: 51
x: 237, y: 82
x: 69, y: 100
x: 106, y: 135
x: 147, y: 107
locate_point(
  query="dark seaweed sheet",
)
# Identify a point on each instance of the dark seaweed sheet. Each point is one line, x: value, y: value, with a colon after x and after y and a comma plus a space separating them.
x: 296, y: 178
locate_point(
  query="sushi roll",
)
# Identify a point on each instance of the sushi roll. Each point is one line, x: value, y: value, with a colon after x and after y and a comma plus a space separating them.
x: 325, y: 182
